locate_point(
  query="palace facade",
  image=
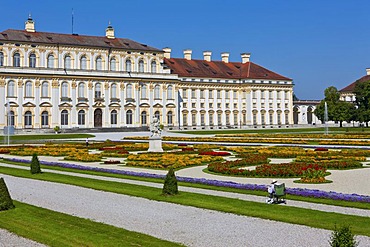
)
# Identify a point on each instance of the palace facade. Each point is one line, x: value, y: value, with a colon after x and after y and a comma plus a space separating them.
x: 79, y: 81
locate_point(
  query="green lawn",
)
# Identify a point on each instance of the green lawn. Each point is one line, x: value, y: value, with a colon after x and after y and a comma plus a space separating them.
x: 287, y: 214
x: 58, y: 229
x: 42, y: 138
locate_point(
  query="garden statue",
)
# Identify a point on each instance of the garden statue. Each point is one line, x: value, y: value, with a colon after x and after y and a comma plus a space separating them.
x: 155, y: 129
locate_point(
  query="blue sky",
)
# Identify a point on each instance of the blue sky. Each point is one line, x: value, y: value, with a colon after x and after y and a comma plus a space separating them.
x: 318, y: 43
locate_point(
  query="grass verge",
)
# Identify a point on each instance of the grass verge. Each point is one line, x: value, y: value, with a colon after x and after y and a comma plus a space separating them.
x: 26, y: 138
x: 294, y: 215
x: 58, y: 229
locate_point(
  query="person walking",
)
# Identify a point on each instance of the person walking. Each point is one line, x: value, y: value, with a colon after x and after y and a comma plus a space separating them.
x: 87, y: 142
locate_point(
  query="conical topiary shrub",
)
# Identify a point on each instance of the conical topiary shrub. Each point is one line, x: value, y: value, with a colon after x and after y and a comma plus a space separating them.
x: 35, y: 165
x: 6, y: 201
x: 343, y: 237
x: 170, y: 183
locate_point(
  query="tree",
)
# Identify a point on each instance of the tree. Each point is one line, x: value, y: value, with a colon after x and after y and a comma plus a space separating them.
x: 6, y: 201
x: 362, y: 93
x: 35, y: 165
x: 170, y: 183
x: 343, y: 237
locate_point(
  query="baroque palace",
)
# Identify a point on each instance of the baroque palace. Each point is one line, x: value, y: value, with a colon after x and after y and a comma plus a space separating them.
x: 77, y: 81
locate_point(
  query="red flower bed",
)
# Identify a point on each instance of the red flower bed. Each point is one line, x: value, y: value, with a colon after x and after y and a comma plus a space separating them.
x: 214, y: 153
x: 321, y: 149
x: 112, y: 162
x: 187, y: 149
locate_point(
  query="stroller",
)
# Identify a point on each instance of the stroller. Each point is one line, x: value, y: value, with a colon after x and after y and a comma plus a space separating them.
x: 278, y: 196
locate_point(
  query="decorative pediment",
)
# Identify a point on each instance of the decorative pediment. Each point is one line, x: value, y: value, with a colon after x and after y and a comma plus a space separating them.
x: 130, y: 105
x: 185, y: 111
x: 12, y: 104
x: 98, y: 104
x: 171, y: 105
x: 29, y: 104
x: 65, y: 104
x: 82, y: 105
x: 46, y: 104
x: 144, y: 105
x: 114, y: 105
x: 158, y: 105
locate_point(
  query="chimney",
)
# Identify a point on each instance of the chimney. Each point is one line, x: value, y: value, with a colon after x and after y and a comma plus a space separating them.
x: 30, y: 24
x: 109, y: 32
x: 187, y: 54
x: 207, y: 55
x: 225, y: 57
x: 245, y: 57
x: 167, y: 52
x: 368, y: 71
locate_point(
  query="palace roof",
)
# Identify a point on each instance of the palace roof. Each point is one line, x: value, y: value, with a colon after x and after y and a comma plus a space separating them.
x: 351, y: 87
x: 219, y: 69
x: 73, y: 40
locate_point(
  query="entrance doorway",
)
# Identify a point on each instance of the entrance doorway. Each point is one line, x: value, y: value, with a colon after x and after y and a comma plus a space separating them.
x: 98, y: 116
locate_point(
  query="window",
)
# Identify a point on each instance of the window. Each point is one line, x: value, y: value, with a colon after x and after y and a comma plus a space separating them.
x: 201, y: 94
x: 271, y: 94
x: 157, y: 115
x: 67, y: 62
x: 1, y: 59
x: 254, y: 118
x: 170, y: 92
x: 156, y: 92
x: 113, y: 91
x: 202, y: 119
x: 210, y: 94
x: 279, y: 93
x: 227, y: 94
x: 64, y: 117
x: 193, y: 119
x: 11, y: 119
x: 279, y: 118
x: 129, y: 91
x: 28, y: 119
x: 227, y: 119
x: 141, y: 66
x: 286, y: 118
x: 16, y: 60
x: 227, y: 105
x: 244, y: 118
x: 235, y: 119
x: 28, y: 89
x: 154, y: 67
x: 201, y: 105
x: 263, y: 118
x: 193, y: 94
x: 234, y: 94
x: 81, y: 117
x: 81, y: 90
x: 129, y: 117
x: 254, y: 94
x: 83, y: 62
x: 11, y: 89
x: 98, y: 63
x: 218, y: 105
x: 218, y: 94
x: 45, y: 89
x: 271, y: 118
x: 97, y: 90
x: 113, y: 117
x: 184, y: 93
x: 64, y: 89
x: 128, y: 65
x: 219, y: 119
x: 286, y: 94
x: 169, y: 117
x: 143, y: 118
x: 44, y: 119
x: 193, y: 105
x: 210, y: 105
x: 50, y: 61
x: 32, y: 61
x: 211, y: 119
x: 185, y: 119
x: 112, y: 64
x: 143, y: 91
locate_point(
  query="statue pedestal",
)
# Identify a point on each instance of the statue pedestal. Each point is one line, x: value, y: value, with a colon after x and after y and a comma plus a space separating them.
x: 155, y: 144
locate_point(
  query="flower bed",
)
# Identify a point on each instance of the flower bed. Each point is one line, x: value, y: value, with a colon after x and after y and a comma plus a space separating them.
x: 112, y: 162
x: 214, y: 153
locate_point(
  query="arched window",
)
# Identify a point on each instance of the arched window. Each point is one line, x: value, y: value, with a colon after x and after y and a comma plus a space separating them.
x: 28, y: 119
x: 141, y: 66
x: 83, y: 62
x: 113, y: 91
x: 64, y: 89
x: 11, y: 119
x: 143, y: 91
x: 50, y: 62
x: 99, y: 63
x: 156, y: 92
x: 170, y: 92
x: 154, y: 67
x: 32, y: 60
x: 1, y: 58
x: 45, y: 89
x: 113, y: 117
x: 64, y: 117
x: 97, y: 90
x: 128, y: 65
x: 143, y: 118
x: 44, y: 119
x: 129, y: 91
x: 81, y: 117
x: 169, y: 117
x: 157, y: 115
x: 129, y: 117
x: 67, y: 62
x: 81, y: 90
x: 16, y: 60
x: 11, y: 89
x: 112, y: 64
x: 28, y: 89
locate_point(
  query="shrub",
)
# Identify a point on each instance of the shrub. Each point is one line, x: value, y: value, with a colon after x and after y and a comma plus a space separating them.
x: 6, y: 201
x: 343, y: 237
x: 170, y: 183
x: 35, y: 164
x: 112, y: 162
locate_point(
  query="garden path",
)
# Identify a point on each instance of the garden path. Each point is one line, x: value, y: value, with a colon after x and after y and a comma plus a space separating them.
x: 187, y: 225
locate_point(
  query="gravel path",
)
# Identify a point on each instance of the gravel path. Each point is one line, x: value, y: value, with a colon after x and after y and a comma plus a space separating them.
x: 188, y: 225
x: 8, y: 239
